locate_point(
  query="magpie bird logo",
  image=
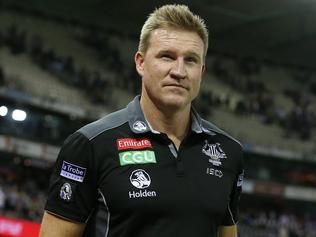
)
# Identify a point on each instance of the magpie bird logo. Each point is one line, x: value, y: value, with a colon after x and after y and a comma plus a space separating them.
x: 215, y: 152
x: 65, y: 192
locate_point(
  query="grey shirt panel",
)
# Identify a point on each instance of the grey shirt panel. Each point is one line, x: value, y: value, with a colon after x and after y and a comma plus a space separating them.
x: 138, y: 123
x: 108, y: 122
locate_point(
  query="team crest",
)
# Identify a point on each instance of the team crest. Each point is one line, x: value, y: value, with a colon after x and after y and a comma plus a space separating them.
x: 215, y: 152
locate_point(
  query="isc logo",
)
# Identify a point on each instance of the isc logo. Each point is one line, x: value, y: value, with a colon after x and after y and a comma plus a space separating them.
x: 137, y: 157
x: 214, y: 172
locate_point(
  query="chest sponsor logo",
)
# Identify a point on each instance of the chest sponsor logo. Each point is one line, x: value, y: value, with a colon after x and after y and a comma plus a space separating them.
x: 215, y: 152
x: 139, y: 126
x: 137, y: 157
x: 141, y: 180
x: 73, y: 172
x: 132, y: 143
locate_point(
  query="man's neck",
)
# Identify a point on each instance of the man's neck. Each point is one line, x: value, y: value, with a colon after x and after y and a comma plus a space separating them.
x: 174, y: 123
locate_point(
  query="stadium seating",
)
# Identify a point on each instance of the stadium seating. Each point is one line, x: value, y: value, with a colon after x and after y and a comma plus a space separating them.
x: 225, y: 90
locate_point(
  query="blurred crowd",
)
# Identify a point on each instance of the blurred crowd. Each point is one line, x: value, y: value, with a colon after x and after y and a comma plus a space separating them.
x: 98, y: 39
x: 21, y: 42
x: 242, y: 76
x: 272, y: 223
x: 22, y: 191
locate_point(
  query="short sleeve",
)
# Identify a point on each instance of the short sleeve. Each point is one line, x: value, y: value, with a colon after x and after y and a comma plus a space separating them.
x: 73, y: 184
x: 232, y: 213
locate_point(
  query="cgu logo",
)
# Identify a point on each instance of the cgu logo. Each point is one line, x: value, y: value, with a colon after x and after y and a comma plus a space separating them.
x: 137, y: 157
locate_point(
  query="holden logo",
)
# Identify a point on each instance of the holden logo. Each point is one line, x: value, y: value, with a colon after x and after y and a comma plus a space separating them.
x: 140, y: 179
x: 139, y: 126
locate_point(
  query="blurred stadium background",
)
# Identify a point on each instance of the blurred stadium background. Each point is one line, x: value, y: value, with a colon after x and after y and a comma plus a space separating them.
x: 65, y: 64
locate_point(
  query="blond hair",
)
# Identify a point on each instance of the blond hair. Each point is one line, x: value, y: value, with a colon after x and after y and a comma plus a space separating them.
x: 173, y: 16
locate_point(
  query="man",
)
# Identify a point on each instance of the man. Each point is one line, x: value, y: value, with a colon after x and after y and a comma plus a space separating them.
x: 155, y: 168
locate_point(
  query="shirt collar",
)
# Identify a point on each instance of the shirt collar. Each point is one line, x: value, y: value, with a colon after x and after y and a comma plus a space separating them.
x: 138, y: 123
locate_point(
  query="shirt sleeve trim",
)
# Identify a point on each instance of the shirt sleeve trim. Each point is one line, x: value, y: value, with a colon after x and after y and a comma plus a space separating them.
x: 76, y: 220
x: 231, y: 215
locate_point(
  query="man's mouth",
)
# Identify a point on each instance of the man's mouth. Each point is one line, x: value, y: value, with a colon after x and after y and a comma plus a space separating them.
x: 176, y: 85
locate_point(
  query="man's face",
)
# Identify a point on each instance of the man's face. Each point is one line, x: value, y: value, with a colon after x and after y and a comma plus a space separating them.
x: 172, y: 67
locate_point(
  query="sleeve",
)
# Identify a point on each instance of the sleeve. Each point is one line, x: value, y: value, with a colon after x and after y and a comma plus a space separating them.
x: 232, y: 213
x: 73, y: 184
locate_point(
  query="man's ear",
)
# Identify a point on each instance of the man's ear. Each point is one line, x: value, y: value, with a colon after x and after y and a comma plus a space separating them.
x: 203, y: 68
x: 139, y: 62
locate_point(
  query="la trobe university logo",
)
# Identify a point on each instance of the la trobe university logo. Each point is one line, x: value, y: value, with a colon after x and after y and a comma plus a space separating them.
x: 141, y: 180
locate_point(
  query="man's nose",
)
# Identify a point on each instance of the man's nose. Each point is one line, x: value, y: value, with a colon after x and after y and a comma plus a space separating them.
x: 178, y: 70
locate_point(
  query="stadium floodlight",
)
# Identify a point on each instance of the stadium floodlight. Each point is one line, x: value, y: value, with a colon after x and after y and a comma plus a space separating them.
x: 3, y: 110
x: 19, y: 115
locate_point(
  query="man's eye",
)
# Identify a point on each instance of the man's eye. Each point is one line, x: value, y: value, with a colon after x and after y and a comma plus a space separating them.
x: 191, y: 60
x: 166, y: 56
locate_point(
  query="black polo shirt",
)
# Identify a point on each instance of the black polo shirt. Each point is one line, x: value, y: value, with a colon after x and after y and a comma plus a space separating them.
x: 124, y: 179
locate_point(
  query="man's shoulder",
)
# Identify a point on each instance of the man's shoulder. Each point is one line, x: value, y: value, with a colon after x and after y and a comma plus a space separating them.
x: 213, y: 128
x: 108, y: 122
